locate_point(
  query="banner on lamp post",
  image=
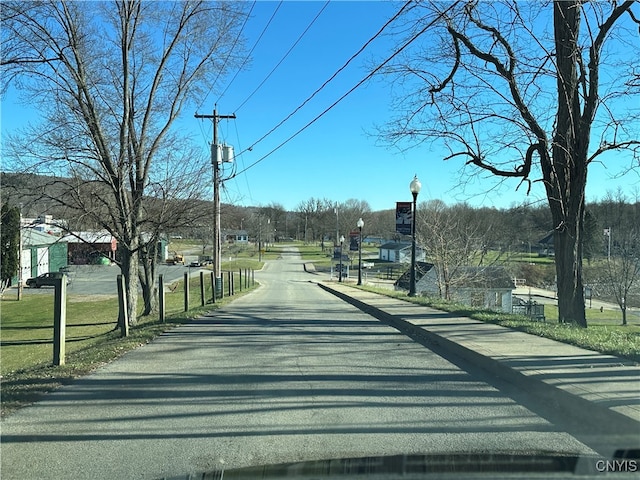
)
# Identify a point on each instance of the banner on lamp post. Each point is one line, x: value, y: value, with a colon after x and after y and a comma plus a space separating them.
x: 404, y: 218
x: 354, y: 240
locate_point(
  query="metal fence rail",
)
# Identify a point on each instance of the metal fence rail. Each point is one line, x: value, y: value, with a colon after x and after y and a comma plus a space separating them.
x: 535, y: 311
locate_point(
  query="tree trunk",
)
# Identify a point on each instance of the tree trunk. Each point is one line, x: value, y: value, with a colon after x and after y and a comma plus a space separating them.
x: 150, y: 297
x: 565, y: 174
x: 148, y: 286
x: 568, y: 256
x: 129, y: 268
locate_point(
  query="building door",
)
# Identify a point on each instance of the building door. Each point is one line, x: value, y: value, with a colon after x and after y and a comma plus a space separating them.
x: 25, y: 261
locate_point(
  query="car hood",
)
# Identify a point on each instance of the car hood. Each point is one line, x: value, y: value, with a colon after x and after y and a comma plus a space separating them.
x: 444, y: 466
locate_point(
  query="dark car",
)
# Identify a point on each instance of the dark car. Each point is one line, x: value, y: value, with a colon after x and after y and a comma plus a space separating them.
x: 45, y: 279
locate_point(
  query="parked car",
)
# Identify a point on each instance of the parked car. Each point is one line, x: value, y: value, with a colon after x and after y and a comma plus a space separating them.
x: 45, y: 279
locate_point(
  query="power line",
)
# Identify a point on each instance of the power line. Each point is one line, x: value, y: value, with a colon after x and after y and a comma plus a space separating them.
x: 353, y: 57
x: 351, y: 90
x: 285, y: 55
x: 235, y: 42
x: 246, y: 59
x: 242, y: 160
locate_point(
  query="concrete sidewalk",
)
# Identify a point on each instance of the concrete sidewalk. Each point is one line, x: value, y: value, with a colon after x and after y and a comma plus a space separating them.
x: 602, y: 386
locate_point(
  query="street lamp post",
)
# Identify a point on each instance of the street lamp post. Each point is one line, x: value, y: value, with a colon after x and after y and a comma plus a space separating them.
x: 259, y: 239
x: 360, y: 225
x: 415, y: 187
x: 340, y: 271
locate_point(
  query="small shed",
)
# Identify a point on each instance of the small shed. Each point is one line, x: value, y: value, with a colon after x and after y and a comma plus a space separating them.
x: 399, y: 252
x: 486, y: 287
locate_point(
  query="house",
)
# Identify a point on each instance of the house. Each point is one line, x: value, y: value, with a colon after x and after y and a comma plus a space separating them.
x: 41, y: 253
x: 545, y: 246
x: 87, y: 248
x: 426, y: 279
x: 399, y: 252
x: 372, y: 239
x: 486, y: 287
x: 235, y: 236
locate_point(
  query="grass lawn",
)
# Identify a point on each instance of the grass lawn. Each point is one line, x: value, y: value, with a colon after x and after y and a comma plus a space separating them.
x: 533, y: 258
x: 27, y: 328
x: 91, y: 337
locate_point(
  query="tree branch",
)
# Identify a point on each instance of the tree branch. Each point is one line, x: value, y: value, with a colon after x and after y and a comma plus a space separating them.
x: 507, y: 74
x: 454, y: 69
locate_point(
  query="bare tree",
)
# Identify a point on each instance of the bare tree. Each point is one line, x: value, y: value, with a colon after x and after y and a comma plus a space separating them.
x: 519, y: 90
x: 173, y: 202
x: 455, y: 238
x: 275, y: 215
x: 110, y: 79
x: 318, y: 216
x: 350, y: 211
x: 622, y: 270
x: 617, y: 272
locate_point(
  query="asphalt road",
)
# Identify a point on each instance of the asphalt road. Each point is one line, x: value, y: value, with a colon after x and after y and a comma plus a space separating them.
x: 286, y: 373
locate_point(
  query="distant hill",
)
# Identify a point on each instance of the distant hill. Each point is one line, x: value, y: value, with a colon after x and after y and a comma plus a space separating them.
x: 29, y: 190
x: 49, y: 195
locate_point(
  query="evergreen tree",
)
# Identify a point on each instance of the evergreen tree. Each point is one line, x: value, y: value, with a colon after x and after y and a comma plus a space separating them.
x: 9, y: 244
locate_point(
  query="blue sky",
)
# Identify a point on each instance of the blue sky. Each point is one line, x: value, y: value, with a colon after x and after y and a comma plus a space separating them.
x: 339, y: 157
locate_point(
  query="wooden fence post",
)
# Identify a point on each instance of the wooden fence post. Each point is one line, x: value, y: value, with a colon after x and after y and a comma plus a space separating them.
x: 186, y: 292
x: 202, y: 299
x: 59, y: 319
x: 161, y: 299
x: 123, y: 315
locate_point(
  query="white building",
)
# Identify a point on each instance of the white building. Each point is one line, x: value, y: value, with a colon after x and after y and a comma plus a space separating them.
x: 399, y: 252
x: 485, y: 287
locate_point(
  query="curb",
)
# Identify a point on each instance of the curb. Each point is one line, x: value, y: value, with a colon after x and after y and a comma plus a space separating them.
x: 588, y: 422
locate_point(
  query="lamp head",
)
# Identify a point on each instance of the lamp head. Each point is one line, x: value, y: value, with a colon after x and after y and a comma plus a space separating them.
x: 415, y: 185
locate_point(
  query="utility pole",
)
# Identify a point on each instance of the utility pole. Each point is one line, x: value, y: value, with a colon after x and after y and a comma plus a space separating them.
x: 20, y: 279
x: 335, y: 210
x: 215, y: 162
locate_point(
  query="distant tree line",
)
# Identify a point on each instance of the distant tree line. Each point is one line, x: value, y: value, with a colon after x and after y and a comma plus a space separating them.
x: 502, y: 229
x: 454, y: 236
